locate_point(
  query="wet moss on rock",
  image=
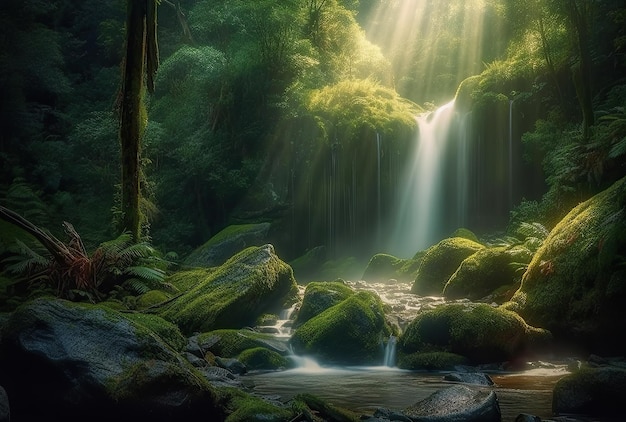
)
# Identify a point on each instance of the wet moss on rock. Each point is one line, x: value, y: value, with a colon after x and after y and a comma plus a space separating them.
x: 262, y: 358
x: 440, y: 262
x: 479, y: 332
x: 319, y: 296
x: 230, y: 343
x: 350, y: 332
x: 431, y: 361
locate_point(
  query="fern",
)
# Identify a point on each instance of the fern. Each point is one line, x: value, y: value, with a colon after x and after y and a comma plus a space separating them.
x: 146, y: 273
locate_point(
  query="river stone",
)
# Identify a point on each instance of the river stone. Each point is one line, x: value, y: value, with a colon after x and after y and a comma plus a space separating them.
x: 592, y: 391
x: 251, y: 283
x: 228, y: 242
x: 475, y: 378
x: 74, y: 361
x: 458, y: 403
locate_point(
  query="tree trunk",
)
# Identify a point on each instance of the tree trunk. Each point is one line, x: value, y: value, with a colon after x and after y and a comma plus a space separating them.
x: 131, y: 124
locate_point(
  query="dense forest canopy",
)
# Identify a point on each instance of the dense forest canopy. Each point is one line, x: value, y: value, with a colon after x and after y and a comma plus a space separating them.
x: 249, y: 93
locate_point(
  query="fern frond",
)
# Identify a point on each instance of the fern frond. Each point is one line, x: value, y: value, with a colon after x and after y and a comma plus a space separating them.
x: 146, y: 273
x: 618, y: 149
x: 137, y: 286
x: 112, y: 248
x: 532, y: 230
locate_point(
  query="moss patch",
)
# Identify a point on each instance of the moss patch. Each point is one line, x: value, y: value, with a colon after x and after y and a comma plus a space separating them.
x: 263, y: 358
x: 431, y: 361
x: 168, y: 332
x: 350, y: 332
x: 480, y: 274
x: 230, y: 343
x: 440, y: 262
x: 479, y: 332
x: 576, y: 284
x: 242, y: 407
x: 320, y: 296
x: 251, y: 283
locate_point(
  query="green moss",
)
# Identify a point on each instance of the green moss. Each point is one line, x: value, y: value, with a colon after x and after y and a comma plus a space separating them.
x: 480, y: 274
x: 440, y: 262
x: 263, y: 358
x: 320, y: 296
x: 168, y: 332
x: 570, y: 286
x: 151, y: 298
x: 479, y: 332
x: 431, y: 361
x: 383, y: 267
x: 234, y: 295
x: 325, y: 410
x: 242, y: 407
x: 465, y: 234
x: 350, y: 332
x: 230, y: 343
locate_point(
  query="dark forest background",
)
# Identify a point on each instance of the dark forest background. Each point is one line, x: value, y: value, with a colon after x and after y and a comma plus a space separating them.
x: 251, y: 96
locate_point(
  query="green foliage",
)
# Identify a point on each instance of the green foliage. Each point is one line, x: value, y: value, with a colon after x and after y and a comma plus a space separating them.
x: 347, y: 108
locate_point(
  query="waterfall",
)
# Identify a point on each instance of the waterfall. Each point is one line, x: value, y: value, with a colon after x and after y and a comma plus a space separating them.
x: 390, y: 352
x: 419, y: 212
x: 510, y: 154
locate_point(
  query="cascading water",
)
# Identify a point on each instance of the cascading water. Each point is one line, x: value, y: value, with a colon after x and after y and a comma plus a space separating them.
x: 390, y: 352
x: 418, y: 222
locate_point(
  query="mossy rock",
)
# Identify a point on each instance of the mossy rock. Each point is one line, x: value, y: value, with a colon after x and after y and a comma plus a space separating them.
x: 251, y: 283
x: 466, y: 234
x: 350, y: 332
x: 168, y: 332
x: 319, y: 296
x: 575, y: 285
x: 243, y: 407
x: 440, y: 262
x: 591, y: 391
x: 309, y: 404
x: 260, y: 358
x: 151, y: 298
x: 481, y: 274
x: 228, y: 242
x: 230, y: 343
x: 384, y: 267
x: 431, y: 361
x: 479, y: 332
x: 306, y: 267
x: 72, y: 359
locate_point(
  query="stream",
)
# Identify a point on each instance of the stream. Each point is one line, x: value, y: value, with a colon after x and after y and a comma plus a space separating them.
x: 363, y: 389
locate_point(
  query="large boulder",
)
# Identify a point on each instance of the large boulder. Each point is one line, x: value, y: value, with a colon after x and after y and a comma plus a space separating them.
x: 350, y: 332
x: 440, y: 262
x: 251, y: 283
x: 480, y: 274
x: 383, y: 267
x: 319, y: 296
x: 575, y: 285
x: 479, y: 332
x: 65, y: 361
x: 230, y: 343
x: 458, y: 403
x: 591, y: 391
x: 228, y: 242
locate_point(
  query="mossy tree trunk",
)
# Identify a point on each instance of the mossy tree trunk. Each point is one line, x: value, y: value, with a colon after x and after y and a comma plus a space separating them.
x: 141, y: 53
x: 579, y: 17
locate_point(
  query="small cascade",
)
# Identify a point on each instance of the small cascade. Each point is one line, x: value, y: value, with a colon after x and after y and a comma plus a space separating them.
x: 390, y: 352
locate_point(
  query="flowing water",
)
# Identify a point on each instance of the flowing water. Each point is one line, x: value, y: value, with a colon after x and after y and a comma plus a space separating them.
x: 364, y: 389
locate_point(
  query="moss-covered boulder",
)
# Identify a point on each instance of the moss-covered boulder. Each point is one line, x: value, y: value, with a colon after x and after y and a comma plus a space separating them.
x: 575, y: 286
x: 251, y: 283
x: 481, y: 274
x: 479, y: 332
x: 228, y: 242
x: 230, y: 343
x: 440, y: 262
x: 431, y: 361
x: 384, y: 267
x: 76, y: 361
x: 591, y: 391
x: 261, y: 358
x: 350, y: 332
x: 319, y: 296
